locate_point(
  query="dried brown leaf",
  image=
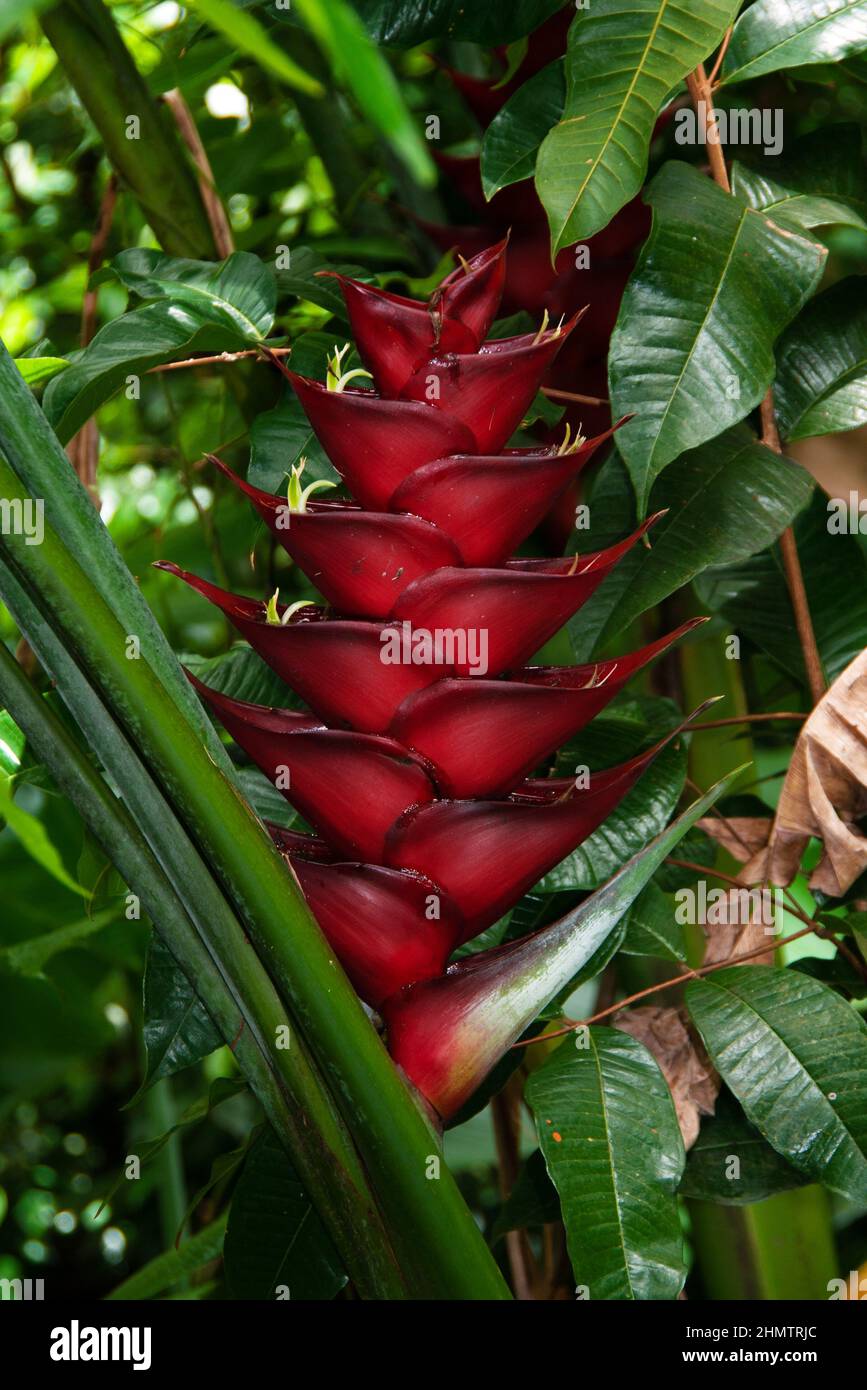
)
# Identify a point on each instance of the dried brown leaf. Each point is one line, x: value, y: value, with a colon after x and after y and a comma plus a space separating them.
x: 742, y: 836
x: 824, y: 793
x: 682, y: 1060
x: 742, y: 921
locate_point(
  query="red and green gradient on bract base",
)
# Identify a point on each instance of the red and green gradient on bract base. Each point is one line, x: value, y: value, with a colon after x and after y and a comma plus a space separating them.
x: 415, y: 774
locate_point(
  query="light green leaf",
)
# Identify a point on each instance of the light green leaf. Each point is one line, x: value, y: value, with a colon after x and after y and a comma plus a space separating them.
x: 34, y: 838
x: 244, y: 32
x: 775, y: 34
x: 623, y: 59
x: 692, y: 350
x: 355, y: 59
x: 512, y: 140
x: 821, y: 384
x: 171, y: 1266
x: 30, y: 957
x: 612, y: 1145
x: 795, y: 1055
x: 37, y: 370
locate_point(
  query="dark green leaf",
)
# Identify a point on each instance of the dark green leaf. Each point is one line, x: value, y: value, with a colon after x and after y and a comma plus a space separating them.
x: 725, y: 501
x: 405, y: 23
x: 774, y: 34
x: 240, y: 291
x: 173, y: 1265
x: 512, y: 140
x: 612, y: 1145
x: 177, y: 1028
x: 795, y: 1055
x: 731, y: 1163
x: 692, y: 350
x: 241, y: 674
x: 622, y: 62
x: 821, y: 384
x: 807, y: 210
x: 278, y: 440
x: 754, y: 597
x: 651, y: 929
x: 533, y: 1200
x: 274, y: 1240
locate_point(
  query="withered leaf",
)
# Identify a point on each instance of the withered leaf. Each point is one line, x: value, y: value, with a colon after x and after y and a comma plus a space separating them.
x: 824, y: 792
x: 742, y: 836
x: 682, y: 1060
x: 741, y: 923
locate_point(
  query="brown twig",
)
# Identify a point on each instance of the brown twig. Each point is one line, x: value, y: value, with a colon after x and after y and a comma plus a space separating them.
x: 83, y: 449
x: 793, y: 572
x: 746, y: 719
x: 714, y: 72
x: 556, y: 394
x: 506, y: 1117
x: 220, y: 357
x: 221, y: 231
x: 700, y: 90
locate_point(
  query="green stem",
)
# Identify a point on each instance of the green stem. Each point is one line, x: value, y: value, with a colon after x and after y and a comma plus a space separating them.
x: 149, y: 156
x: 441, y: 1243
x: 172, y: 1192
x: 229, y: 980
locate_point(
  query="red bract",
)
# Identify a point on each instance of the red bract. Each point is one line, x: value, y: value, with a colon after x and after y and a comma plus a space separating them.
x: 415, y: 767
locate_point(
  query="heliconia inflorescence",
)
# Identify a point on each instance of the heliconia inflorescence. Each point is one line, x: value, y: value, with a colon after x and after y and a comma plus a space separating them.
x: 413, y: 765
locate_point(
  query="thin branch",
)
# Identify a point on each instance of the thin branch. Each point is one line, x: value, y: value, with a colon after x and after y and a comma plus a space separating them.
x: 221, y: 230
x: 714, y: 72
x: 219, y: 357
x: 700, y: 91
x: 794, y: 573
x: 747, y: 719
x: 555, y: 394
x: 506, y: 1117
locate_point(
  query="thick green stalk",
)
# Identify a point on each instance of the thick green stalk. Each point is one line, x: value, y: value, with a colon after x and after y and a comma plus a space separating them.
x: 776, y: 1249
x: 146, y: 151
x: 443, y: 1245
x: 231, y: 982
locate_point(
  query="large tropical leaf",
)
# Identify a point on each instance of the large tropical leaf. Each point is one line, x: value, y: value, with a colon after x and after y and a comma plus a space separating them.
x: 757, y: 1172
x: 821, y: 384
x: 779, y: 200
x: 624, y: 58
x: 177, y: 1028
x: 775, y: 34
x: 513, y: 138
x: 196, y: 306
x: 612, y: 1145
x: 795, y: 1055
x: 692, y: 350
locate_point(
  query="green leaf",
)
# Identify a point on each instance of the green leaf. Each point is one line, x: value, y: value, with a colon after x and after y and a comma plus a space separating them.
x: 197, y: 307
x: 274, y: 1238
x: 775, y: 34
x: 710, y: 1174
x: 692, y: 350
x: 240, y: 291
x: 171, y: 1266
x: 795, y: 1056
x: 609, y: 1133
x: 35, y: 839
x: 241, y: 674
x: 651, y: 929
x: 245, y: 33
x: 30, y: 957
x: 301, y: 279
x: 405, y: 23
x: 177, y: 1028
x: 533, y: 1201
x: 806, y: 210
x: 511, y: 142
x: 725, y: 501
x: 754, y: 597
x: 278, y: 440
x: 821, y: 384
x: 36, y: 371
x: 622, y: 62
x: 621, y: 732
x: 826, y: 164
x: 356, y: 61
